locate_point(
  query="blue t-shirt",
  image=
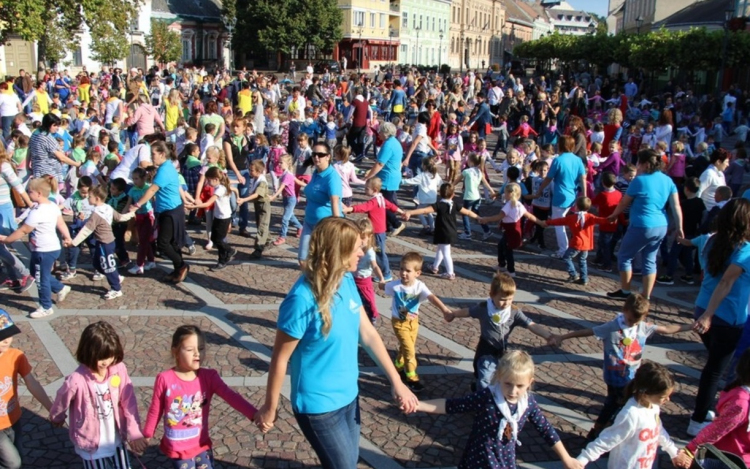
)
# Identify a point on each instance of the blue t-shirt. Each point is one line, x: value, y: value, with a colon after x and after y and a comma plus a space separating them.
x: 566, y: 172
x: 623, y: 349
x: 650, y: 193
x: 168, y: 196
x: 390, y: 156
x: 746, y: 194
x: 733, y: 309
x: 135, y: 195
x: 324, y: 370
x: 700, y: 244
x: 322, y: 186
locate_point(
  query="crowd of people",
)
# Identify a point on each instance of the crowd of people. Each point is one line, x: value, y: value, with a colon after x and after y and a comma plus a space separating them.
x: 108, y: 158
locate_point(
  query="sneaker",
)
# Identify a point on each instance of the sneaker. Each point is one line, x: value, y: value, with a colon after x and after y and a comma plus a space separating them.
x: 448, y: 276
x: 664, y: 280
x: 604, y: 269
x: 244, y: 233
x: 181, y: 273
x: 501, y: 268
x: 375, y: 320
x: 689, y: 279
x: 122, y: 279
x: 219, y: 266
x: 257, y: 254
x: 487, y: 235
x: 388, y: 279
x: 112, y: 294
x: 710, y: 416
x: 41, y: 313
x: 415, y: 386
x: 434, y: 270
x: 67, y: 275
x: 24, y: 284
x: 398, y: 230
x: 298, y: 233
x: 232, y: 253
x: 556, y: 255
x: 97, y: 277
x: 695, y: 427
x: 62, y: 294
x: 7, y: 285
x: 135, y: 270
x: 279, y: 241
x: 466, y: 236
x: 149, y: 266
x: 572, y: 279
x: 619, y: 294
x: 582, y: 281
x: 209, y: 246
x: 191, y: 250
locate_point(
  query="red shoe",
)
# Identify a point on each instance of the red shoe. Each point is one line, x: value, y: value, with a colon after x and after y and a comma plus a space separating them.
x: 279, y: 241
x: 299, y: 233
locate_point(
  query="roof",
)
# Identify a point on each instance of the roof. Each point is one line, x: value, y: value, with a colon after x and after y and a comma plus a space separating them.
x: 514, y: 13
x: 554, y: 12
x: 697, y: 14
x: 188, y: 8
x: 533, y: 10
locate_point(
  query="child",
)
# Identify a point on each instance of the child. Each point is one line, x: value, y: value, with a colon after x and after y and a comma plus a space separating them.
x: 408, y: 293
x: 43, y: 219
x: 19, y: 160
x: 581, y: 225
x: 13, y: 363
x: 277, y: 150
x: 90, y: 167
x: 472, y: 177
x: 118, y: 199
x: 78, y: 154
x: 366, y: 265
x: 428, y: 182
x: 606, y: 202
x: 347, y: 171
x: 375, y: 209
x: 100, y: 224
x: 676, y: 167
x: 500, y: 413
x: 455, y: 145
x: 735, y: 172
x: 182, y: 397
x: 208, y: 137
x: 214, y: 158
x: 262, y: 205
x: 623, y: 340
x: 524, y: 130
x: 144, y: 221
x: 497, y: 319
x: 502, y: 137
x: 100, y: 400
x: 542, y: 204
x: 330, y: 131
x: 78, y: 204
x: 510, y: 221
x: 287, y: 185
x: 728, y: 432
x: 445, y: 234
x: 632, y: 440
x: 112, y: 160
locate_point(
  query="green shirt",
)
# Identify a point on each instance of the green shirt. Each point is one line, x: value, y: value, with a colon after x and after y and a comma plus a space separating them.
x: 78, y: 155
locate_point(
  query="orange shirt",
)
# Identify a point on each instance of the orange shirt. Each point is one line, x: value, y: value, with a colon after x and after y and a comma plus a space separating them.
x: 12, y: 363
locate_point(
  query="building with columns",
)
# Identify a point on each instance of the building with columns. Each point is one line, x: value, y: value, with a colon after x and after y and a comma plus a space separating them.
x: 475, y: 34
x: 424, y: 31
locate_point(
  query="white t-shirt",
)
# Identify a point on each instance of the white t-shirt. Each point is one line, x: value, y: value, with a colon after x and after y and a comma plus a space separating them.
x: 513, y: 212
x: 131, y: 160
x: 406, y: 300
x: 222, y: 209
x: 9, y: 104
x: 364, y: 266
x: 43, y: 218
x: 422, y: 146
x: 90, y: 169
x: 109, y: 440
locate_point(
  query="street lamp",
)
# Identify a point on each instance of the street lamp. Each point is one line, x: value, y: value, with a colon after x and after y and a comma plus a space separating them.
x: 638, y: 24
x: 416, y: 48
x: 468, y: 53
x: 391, y: 35
x: 229, y: 23
x: 360, y: 25
x: 728, y: 15
x: 440, y: 51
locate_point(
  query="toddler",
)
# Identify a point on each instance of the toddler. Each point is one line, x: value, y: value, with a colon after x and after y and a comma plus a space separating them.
x: 366, y: 265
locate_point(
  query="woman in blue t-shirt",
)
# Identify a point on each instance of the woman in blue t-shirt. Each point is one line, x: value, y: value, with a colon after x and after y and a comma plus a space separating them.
x: 170, y: 209
x: 647, y: 196
x: 721, y: 306
x: 323, y: 194
x: 321, y: 323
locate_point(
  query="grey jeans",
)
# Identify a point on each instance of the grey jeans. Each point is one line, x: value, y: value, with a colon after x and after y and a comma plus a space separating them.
x: 10, y: 447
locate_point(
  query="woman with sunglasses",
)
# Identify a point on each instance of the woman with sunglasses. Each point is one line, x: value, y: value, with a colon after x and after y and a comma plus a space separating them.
x: 323, y: 194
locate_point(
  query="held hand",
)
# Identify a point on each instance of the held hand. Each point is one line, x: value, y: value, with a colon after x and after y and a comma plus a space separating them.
x: 448, y: 316
x: 541, y: 223
x: 81, y: 216
x: 132, y: 208
x: 348, y: 209
x: 57, y: 424
x: 265, y: 418
x: 139, y: 446
x: 2, y: 238
x: 612, y: 218
x: 678, y: 233
x: 703, y: 324
x: 482, y: 221
x: 241, y: 179
x: 571, y: 463
x: 554, y: 340
x: 680, y: 240
x: 406, y: 216
x: 405, y: 399
x: 682, y: 459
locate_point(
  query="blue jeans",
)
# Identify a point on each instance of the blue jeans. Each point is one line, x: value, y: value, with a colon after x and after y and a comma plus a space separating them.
x: 289, y: 203
x: 742, y: 345
x: 12, y: 264
x: 568, y: 257
x: 486, y: 366
x: 7, y: 125
x: 333, y: 435
x: 41, y: 268
x: 643, y: 240
x: 304, y: 242
x: 392, y: 220
x: 382, y: 256
x: 244, y: 190
x: 683, y: 253
x: 604, y: 251
x: 472, y: 205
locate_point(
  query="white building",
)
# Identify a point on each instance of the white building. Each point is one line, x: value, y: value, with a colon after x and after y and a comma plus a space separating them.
x: 568, y: 20
x: 424, y: 32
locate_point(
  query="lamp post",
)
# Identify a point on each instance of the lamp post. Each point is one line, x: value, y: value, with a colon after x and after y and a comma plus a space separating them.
x: 416, y: 48
x: 391, y: 35
x: 359, y: 62
x: 638, y: 24
x: 440, y: 51
x: 229, y: 23
x: 468, y: 53
x: 728, y: 15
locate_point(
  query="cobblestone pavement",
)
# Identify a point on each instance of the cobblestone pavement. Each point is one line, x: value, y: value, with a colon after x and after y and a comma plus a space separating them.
x: 237, y: 308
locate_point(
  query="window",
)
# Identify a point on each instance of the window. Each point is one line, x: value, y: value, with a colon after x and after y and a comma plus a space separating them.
x: 404, y: 50
x: 382, y: 21
x: 433, y: 24
x: 420, y: 21
x: 211, y: 44
x: 414, y: 22
x: 186, y: 56
x: 372, y: 20
x: 359, y: 18
x: 405, y: 19
x: 77, y: 57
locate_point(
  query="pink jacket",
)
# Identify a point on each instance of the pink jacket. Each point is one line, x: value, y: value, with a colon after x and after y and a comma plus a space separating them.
x: 729, y: 430
x: 348, y: 173
x: 144, y: 118
x: 78, y: 395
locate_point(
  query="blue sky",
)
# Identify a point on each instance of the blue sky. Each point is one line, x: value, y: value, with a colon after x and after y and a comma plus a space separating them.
x: 595, y: 6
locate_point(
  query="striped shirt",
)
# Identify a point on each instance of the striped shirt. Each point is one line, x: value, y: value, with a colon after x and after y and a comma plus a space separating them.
x: 42, y: 148
x: 8, y: 180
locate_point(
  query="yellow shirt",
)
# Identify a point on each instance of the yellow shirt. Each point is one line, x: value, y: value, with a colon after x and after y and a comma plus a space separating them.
x: 172, y: 114
x: 245, y: 101
x: 42, y: 99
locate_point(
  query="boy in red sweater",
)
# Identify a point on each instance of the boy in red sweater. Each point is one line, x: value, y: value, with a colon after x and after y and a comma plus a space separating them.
x: 375, y: 209
x: 606, y: 201
x: 581, y: 224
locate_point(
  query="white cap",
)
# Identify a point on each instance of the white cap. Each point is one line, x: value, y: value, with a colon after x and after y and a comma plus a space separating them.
x: 133, y: 70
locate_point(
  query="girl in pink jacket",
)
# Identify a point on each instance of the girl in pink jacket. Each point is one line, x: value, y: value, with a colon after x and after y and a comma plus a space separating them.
x: 100, y: 400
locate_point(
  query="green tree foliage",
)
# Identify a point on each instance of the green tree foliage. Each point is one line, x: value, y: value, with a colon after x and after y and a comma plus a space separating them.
x: 163, y: 44
x: 107, y: 47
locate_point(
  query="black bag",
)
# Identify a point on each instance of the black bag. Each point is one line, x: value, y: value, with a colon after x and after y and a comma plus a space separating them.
x: 730, y: 460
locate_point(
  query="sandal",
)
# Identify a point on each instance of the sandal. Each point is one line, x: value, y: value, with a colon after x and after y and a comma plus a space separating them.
x: 448, y: 276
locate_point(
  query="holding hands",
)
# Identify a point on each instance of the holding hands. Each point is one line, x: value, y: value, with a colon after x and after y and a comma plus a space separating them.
x: 139, y: 446
x: 265, y: 418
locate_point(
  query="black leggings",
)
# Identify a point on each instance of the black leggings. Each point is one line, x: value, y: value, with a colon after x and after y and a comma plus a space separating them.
x: 721, y: 341
x: 167, y: 244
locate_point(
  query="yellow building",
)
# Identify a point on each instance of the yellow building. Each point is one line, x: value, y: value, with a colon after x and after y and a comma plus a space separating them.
x: 476, y: 33
x: 371, y: 30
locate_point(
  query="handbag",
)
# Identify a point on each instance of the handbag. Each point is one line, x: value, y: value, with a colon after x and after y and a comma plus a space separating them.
x: 730, y: 460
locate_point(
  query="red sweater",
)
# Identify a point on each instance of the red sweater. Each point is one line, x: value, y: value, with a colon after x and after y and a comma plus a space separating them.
x: 375, y: 209
x: 359, y: 117
x: 606, y: 203
x: 581, y: 235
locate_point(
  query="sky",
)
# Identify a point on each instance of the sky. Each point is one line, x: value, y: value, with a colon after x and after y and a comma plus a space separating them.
x: 594, y: 6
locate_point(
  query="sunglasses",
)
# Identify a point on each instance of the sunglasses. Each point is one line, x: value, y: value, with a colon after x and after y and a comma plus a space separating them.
x: 320, y: 155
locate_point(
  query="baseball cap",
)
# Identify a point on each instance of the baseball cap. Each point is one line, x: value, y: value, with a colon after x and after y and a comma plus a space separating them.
x: 7, y: 327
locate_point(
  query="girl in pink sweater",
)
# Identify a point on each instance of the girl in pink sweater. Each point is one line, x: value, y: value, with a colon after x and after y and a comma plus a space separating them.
x: 101, y: 401
x: 182, y: 397
x: 729, y: 429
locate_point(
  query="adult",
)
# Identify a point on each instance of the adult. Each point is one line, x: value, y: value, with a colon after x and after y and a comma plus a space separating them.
x: 663, y: 130
x: 138, y: 156
x: 145, y: 118
x: 721, y: 306
x: 356, y: 135
x: 10, y: 106
x: 62, y: 86
x: 388, y: 169
x: 578, y: 132
x: 713, y: 177
x: 483, y: 116
x: 172, y: 110
x: 320, y: 326
x: 612, y: 130
x: 45, y: 154
x: 647, y: 196
x: 259, y: 118
x: 169, y: 209
x: 18, y: 279
x: 631, y: 89
x: 295, y: 103
x: 113, y: 108
x: 323, y: 194
x: 569, y: 174
x: 212, y: 116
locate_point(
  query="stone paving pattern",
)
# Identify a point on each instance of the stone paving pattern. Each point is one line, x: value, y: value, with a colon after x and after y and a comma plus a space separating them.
x: 237, y: 309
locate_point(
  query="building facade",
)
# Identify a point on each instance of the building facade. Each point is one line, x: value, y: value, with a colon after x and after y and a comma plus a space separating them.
x: 476, y: 34
x: 371, y: 33
x: 424, y: 32
x: 568, y: 20
x: 519, y: 27
x: 649, y: 12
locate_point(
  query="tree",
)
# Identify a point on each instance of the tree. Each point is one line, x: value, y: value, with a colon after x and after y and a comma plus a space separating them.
x: 108, y: 47
x: 163, y: 44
